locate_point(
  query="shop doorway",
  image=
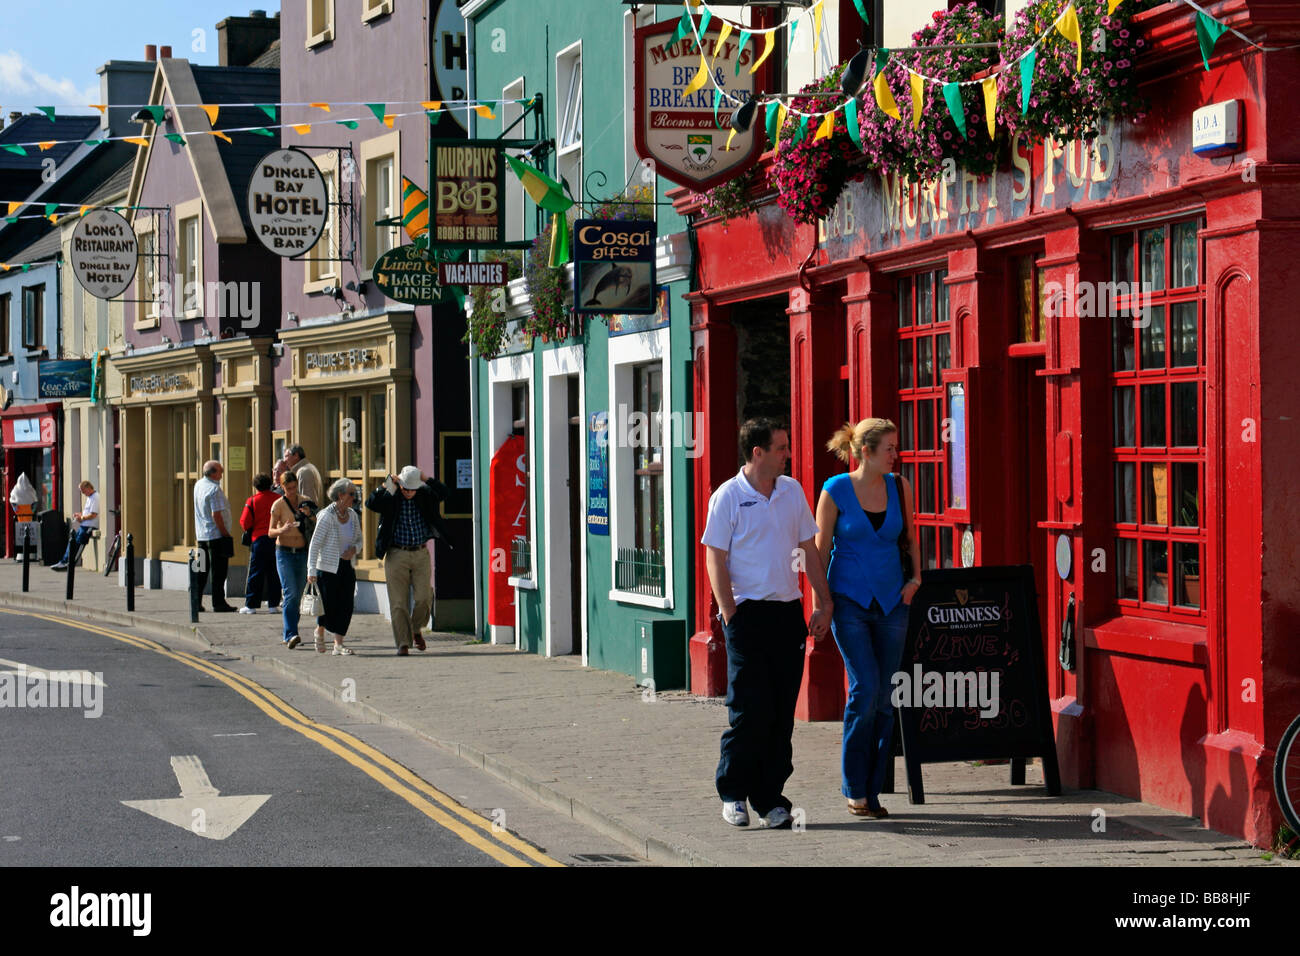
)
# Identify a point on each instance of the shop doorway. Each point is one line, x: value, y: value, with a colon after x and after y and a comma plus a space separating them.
x: 562, y: 513
x: 1029, y: 543
x: 575, y: 485
x: 762, y: 360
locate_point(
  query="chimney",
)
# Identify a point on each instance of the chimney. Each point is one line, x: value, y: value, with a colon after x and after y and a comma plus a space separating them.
x: 241, y: 40
x: 121, y: 83
x: 150, y: 53
x: 14, y: 117
x: 165, y: 53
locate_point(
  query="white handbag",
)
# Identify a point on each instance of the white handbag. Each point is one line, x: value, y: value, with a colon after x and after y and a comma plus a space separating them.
x: 311, y: 604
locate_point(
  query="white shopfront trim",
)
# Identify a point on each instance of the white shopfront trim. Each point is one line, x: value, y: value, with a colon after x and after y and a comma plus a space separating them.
x: 502, y: 374
x: 557, y: 365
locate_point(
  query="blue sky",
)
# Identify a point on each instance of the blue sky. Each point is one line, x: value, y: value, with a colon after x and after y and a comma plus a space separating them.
x: 50, y: 49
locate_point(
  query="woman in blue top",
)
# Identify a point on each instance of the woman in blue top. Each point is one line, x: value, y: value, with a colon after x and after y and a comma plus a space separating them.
x: 862, y: 517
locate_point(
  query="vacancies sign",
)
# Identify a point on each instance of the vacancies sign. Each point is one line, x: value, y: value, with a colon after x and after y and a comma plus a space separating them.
x: 679, y: 130
x: 288, y: 202
x: 103, y: 253
x: 468, y: 183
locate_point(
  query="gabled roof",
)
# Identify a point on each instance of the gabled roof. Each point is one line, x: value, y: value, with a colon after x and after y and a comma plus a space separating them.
x: 46, y: 247
x: 222, y: 170
x: 116, y: 185
x: 67, y: 131
x: 270, y: 57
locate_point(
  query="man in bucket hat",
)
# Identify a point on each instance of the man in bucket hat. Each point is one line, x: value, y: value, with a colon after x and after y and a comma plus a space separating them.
x: 407, y: 505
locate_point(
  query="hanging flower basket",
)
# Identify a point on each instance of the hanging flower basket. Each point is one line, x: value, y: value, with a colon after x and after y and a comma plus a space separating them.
x: 486, y: 327
x: 734, y: 198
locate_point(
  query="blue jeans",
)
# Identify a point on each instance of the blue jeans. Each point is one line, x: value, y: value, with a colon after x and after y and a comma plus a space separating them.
x: 871, y: 644
x: 75, y: 542
x: 293, y: 579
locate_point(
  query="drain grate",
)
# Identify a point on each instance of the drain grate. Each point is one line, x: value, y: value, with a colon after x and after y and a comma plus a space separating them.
x: 605, y: 858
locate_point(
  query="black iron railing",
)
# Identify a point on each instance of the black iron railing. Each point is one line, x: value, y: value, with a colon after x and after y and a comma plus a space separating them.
x: 521, y: 558
x: 639, y: 571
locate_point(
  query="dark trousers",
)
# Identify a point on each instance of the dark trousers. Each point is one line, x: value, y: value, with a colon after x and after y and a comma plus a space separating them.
x: 337, y: 593
x: 81, y: 536
x: 262, y: 576
x: 765, y: 653
x: 214, y: 553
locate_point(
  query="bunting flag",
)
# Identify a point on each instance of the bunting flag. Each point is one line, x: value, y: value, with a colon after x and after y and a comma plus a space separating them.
x: 801, y: 131
x: 546, y: 192
x: 794, y: 25
x: 389, y: 118
x: 269, y: 110
x: 851, y: 121
x: 350, y: 124
x: 141, y: 141
x: 13, y: 208
x: 730, y: 137
x: 433, y: 116
x: 817, y: 23
x: 378, y: 109
x: 212, y: 112
x: 98, y: 106
x: 717, y: 99
x: 1208, y: 31
x: 484, y: 111
x: 769, y: 42
x: 1027, y: 63
x: 1110, y: 7
x: 437, y: 105
x: 826, y: 127
x: 683, y: 26
x: 10, y: 220
x: 175, y: 138
x: 321, y: 106
x: 96, y: 142
x: 260, y: 131
x: 861, y: 10
x: 722, y: 38
x: 84, y: 210
x: 773, y: 112
x: 917, y: 83
x: 885, y: 96
x: 48, y: 111
x: 1068, y: 26
x: 740, y: 48
x: 559, y: 241
x: 156, y: 111
x: 701, y: 77
x: 415, y: 209
x: 53, y: 218
x: 50, y: 207
x: 990, y: 85
x: 782, y: 112
x: 952, y: 95
x: 17, y: 150
x: 704, y: 26
x: 220, y: 135
x: 302, y: 129
x: 48, y: 144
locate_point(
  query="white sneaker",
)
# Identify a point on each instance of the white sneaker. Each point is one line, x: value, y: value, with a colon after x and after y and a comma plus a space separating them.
x: 247, y: 610
x: 778, y: 818
x: 735, y: 813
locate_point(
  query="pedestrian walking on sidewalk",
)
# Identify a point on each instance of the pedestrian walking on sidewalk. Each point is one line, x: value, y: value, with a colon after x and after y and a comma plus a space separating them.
x: 291, y: 526
x: 407, y: 505
x: 309, y: 480
x: 759, y: 531
x: 864, y: 521
x: 212, y: 524
x: 87, y: 521
x: 330, y: 559
x: 256, y: 521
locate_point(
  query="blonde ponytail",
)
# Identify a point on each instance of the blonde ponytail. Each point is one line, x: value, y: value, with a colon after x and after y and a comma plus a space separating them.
x: 847, y: 442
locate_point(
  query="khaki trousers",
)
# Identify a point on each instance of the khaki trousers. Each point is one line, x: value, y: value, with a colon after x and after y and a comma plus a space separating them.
x: 403, y: 571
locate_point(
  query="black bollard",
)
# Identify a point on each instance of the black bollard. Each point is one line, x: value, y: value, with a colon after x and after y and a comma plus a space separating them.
x: 195, y: 597
x: 27, y: 555
x: 72, y: 571
x: 130, y: 572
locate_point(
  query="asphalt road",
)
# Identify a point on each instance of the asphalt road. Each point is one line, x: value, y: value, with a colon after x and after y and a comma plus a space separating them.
x: 174, y: 727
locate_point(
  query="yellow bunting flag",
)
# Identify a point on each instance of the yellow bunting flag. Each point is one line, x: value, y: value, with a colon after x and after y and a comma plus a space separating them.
x: 46, y: 145
x: 484, y: 111
x: 817, y: 23
x: 827, y: 126
x: 1110, y: 7
x: 1068, y: 26
x: 432, y: 104
x: 13, y: 208
x: 321, y: 106
x: 135, y: 140
x: 53, y: 218
x: 701, y: 77
x: 302, y: 129
x: 415, y: 209
x: 84, y: 210
x: 98, y: 106
x: 212, y: 113
x: 769, y: 41
x: 885, y: 96
x: 388, y: 119
x: 722, y: 38
x: 990, y: 85
x: 730, y: 137
x: 918, y: 97
x: 217, y: 132
x: 781, y: 114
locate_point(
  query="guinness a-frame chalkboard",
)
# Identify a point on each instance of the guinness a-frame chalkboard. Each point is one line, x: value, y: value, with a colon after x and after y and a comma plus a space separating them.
x: 972, y: 684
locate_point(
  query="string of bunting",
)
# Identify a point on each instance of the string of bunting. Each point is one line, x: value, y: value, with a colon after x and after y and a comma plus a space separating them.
x: 271, y: 109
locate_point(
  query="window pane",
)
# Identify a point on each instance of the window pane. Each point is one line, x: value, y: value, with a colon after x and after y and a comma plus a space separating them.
x: 1125, y: 493
x: 1125, y: 433
x: 1187, y: 571
x: 1183, y: 329
x: 1153, y: 259
x: 1153, y: 338
x: 1122, y: 341
x: 925, y: 496
x: 1183, y: 242
x: 904, y: 303
x: 1155, y: 494
x: 927, y: 535
x: 1183, y: 397
x: 905, y: 378
x: 945, y: 547
x: 924, y: 425
x: 1187, y: 495
x: 1153, y: 416
x: 353, y: 447
x: 909, y: 472
x: 905, y: 439
x: 1121, y: 258
x: 1025, y: 302
x: 332, y: 416
x: 378, y: 433
x: 924, y: 298
x: 941, y: 356
x: 1155, y: 572
x: 924, y: 362
x: 942, y: 309
x: 1126, y: 568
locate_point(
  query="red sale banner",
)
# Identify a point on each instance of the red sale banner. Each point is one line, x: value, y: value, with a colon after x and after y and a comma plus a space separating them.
x: 508, y: 519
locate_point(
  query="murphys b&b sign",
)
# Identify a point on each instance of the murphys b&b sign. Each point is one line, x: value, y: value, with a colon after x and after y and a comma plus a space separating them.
x: 468, y: 180
x: 680, y: 131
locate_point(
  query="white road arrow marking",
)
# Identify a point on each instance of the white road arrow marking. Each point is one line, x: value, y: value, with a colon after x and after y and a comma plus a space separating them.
x: 60, y: 677
x: 199, y: 808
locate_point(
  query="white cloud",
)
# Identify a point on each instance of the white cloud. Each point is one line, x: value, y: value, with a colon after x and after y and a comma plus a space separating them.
x: 18, y: 79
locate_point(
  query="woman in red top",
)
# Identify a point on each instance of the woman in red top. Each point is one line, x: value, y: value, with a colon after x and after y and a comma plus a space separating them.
x: 262, y: 576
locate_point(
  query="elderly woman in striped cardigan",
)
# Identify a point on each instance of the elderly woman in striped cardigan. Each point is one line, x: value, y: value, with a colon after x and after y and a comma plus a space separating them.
x: 330, y: 557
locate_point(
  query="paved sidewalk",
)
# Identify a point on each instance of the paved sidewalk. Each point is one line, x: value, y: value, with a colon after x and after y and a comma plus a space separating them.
x: 588, y: 743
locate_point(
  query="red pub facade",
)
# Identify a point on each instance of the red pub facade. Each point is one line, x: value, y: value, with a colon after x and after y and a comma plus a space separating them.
x: 1088, y: 354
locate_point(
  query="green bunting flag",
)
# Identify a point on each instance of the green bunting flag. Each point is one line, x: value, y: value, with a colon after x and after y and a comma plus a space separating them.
x: 10, y: 220
x: 175, y: 138
x: 350, y: 124
x: 559, y: 241
x: 544, y: 190
x: 952, y: 94
x: 96, y: 142
x: 269, y: 110
x: 50, y: 207
x: 17, y: 150
x: 683, y: 25
x: 801, y: 131
x: 717, y: 98
x: 773, y: 114
x: 704, y: 22
x: 377, y: 109
x: 882, y: 60
x: 740, y: 48
x: 262, y: 131
x: 794, y: 25
x: 1027, y: 63
x: 861, y: 10
x: 433, y: 116
x: 48, y: 111
x: 27, y: 267
x: 1208, y: 31
x: 157, y: 113
x: 851, y: 120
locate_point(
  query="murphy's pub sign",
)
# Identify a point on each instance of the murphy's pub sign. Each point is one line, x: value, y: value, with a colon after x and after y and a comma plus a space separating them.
x: 680, y: 131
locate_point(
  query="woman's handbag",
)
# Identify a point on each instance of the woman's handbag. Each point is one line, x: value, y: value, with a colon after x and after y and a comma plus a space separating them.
x: 311, y: 602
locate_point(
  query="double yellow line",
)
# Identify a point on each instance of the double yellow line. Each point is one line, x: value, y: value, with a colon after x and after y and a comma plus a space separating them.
x: 501, y: 846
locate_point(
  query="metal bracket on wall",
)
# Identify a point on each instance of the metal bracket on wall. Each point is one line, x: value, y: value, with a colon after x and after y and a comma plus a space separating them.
x: 343, y: 210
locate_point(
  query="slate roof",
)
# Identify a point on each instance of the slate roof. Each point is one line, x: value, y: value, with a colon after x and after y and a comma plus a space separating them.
x: 270, y: 57
x: 116, y: 185
x: 46, y: 247
x: 241, y: 84
x: 36, y: 128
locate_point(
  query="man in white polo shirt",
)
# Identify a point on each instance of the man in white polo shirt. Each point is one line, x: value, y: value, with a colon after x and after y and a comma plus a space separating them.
x: 87, y: 521
x: 759, y: 532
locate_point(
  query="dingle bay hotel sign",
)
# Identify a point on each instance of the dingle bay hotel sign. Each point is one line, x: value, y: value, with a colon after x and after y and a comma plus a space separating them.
x: 288, y: 202
x: 468, y: 183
